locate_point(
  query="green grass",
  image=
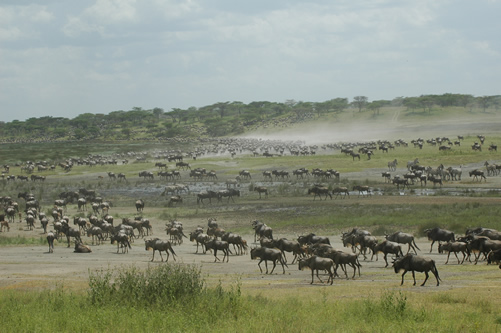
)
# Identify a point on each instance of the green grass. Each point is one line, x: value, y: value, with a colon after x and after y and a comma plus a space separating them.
x: 175, y: 299
x: 21, y: 240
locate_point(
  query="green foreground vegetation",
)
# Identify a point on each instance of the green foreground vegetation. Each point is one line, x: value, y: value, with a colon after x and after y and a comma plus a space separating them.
x: 175, y: 298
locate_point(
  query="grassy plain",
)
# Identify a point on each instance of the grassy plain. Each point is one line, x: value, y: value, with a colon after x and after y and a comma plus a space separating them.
x: 236, y: 297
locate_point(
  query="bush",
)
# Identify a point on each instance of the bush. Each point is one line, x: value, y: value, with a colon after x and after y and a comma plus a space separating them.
x: 159, y: 285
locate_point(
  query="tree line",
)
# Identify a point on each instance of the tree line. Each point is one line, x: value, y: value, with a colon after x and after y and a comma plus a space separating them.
x: 218, y: 119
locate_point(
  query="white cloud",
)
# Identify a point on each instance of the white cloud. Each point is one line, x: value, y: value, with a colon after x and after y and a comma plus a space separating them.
x: 167, y: 53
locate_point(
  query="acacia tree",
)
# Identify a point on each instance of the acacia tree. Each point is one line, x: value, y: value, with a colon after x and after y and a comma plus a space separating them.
x: 360, y: 102
x: 484, y: 102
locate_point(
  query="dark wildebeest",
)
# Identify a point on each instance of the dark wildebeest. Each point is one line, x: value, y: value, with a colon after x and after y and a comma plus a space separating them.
x: 387, y: 247
x: 139, y: 205
x: 404, y: 238
x: 206, y: 195
x: 313, y: 239
x: 200, y: 238
x: 266, y: 254
x: 439, y: 235
x: 494, y: 257
x: 122, y: 240
x: 342, y: 259
x: 353, y: 238
x: 454, y: 247
x: 160, y: 245
x: 293, y: 246
x: 81, y: 248
x: 216, y: 245
x: 70, y: 232
x: 261, y: 230
x: 316, y: 263
x: 478, y: 173
x: 320, y: 191
x: 363, y: 190
x: 260, y: 190
x: 341, y: 190
x: 50, y: 240
x: 415, y: 263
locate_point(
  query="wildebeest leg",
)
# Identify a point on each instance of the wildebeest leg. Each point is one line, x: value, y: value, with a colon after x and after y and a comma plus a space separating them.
x: 319, y: 279
x: 414, y: 277
x: 215, y: 256
x: 455, y: 253
x: 385, y: 260
x: 274, y: 265
x: 405, y: 271
x: 426, y: 278
x: 448, y: 257
x: 259, y: 264
x: 431, y: 247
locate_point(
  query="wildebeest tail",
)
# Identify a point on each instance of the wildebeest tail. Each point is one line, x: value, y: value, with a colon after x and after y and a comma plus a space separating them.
x: 436, y: 271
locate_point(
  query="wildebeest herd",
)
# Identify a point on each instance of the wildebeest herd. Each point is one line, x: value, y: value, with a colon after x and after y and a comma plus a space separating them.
x: 309, y: 251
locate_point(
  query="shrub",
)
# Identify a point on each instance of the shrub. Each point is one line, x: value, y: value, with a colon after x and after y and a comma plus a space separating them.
x: 159, y: 285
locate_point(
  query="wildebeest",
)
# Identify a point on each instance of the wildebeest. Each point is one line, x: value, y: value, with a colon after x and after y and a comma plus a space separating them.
x: 261, y: 230
x: 174, y: 200
x: 50, y: 240
x: 439, y: 235
x: 228, y: 193
x: 267, y: 254
x: 352, y: 238
x: 200, y: 238
x: 311, y: 238
x: 342, y: 259
x: 387, y: 247
x: 160, y: 245
x: 206, y: 195
x: 216, y: 245
x: 392, y: 166
x: 404, y: 238
x: 245, y: 174
x: 285, y: 245
x: 4, y: 225
x: 415, y: 263
x: 316, y: 263
x: 70, y: 232
x: 320, y: 191
x: 454, y: 247
x: 122, y: 240
x: 478, y: 173
x: 341, y: 190
x: 494, y: 257
x: 239, y: 244
x: 362, y: 189
x: 97, y: 235
x: 81, y: 248
x: 139, y: 205
x: 260, y: 190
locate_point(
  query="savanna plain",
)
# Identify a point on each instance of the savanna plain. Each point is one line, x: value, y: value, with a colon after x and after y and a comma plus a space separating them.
x: 107, y: 290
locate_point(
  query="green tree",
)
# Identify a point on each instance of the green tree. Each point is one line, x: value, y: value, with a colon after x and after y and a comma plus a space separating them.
x: 360, y: 102
x: 484, y: 102
x: 158, y: 112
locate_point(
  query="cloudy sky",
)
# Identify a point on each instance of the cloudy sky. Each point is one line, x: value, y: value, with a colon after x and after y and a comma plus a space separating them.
x: 64, y: 58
